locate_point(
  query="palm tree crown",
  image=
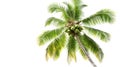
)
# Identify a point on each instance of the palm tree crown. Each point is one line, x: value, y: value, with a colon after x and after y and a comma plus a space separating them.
x: 71, y: 31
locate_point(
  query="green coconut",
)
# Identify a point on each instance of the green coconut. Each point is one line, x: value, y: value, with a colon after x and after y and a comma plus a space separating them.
x: 76, y: 26
x: 77, y: 30
x: 73, y: 28
x: 80, y: 28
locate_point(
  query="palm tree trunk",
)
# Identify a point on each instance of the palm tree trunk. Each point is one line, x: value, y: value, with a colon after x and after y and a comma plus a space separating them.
x: 84, y: 50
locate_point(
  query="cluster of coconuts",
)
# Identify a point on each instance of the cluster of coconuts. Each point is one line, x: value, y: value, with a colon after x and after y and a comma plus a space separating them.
x: 74, y: 29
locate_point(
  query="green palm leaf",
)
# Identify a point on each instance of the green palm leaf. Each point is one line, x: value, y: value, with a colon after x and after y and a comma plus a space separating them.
x: 82, y: 53
x: 84, y: 5
x: 77, y: 8
x: 49, y: 35
x: 58, y: 8
x: 104, y: 36
x: 102, y: 16
x: 55, y: 21
x: 70, y: 10
x: 55, y: 47
x: 91, y: 45
x: 71, y: 46
x: 55, y: 8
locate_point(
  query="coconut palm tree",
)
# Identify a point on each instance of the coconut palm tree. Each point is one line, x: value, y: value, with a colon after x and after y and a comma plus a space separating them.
x: 73, y: 32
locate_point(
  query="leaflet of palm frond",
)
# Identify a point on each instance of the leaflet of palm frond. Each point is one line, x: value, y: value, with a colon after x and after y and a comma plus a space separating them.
x: 55, y: 21
x: 58, y: 8
x: 49, y: 35
x: 91, y: 45
x: 100, y: 17
x: 57, y: 45
x: 71, y: 46
x: 104, y: 36
x: 77, y: 8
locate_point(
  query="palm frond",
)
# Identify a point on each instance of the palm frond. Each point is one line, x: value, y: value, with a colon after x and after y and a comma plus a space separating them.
x: 80, y: 50
x: 70, y: 10
x: 55, y: 8
x: 49, y: 35
x: 71, y: 46
x: 104, y: 36
x: 102, y: 16
x: 77, y: 8
x: 91, y: 45
x: 55, y: 21
x: 55, y: 47
x: 84, y: 5
x: 58, y: 8
x: 82, y: 53
x: 76, y: 2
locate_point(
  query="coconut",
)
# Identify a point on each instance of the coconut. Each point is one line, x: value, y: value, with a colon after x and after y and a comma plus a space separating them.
x: 76, y: 26
x: 77, y: 31
x: 73, y: 28
x: 80, y: 28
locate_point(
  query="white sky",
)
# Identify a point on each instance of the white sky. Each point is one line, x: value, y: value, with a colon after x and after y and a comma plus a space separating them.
x: 21, y: 21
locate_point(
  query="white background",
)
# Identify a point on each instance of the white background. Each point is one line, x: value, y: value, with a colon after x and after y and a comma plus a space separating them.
x: 21, y: 21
